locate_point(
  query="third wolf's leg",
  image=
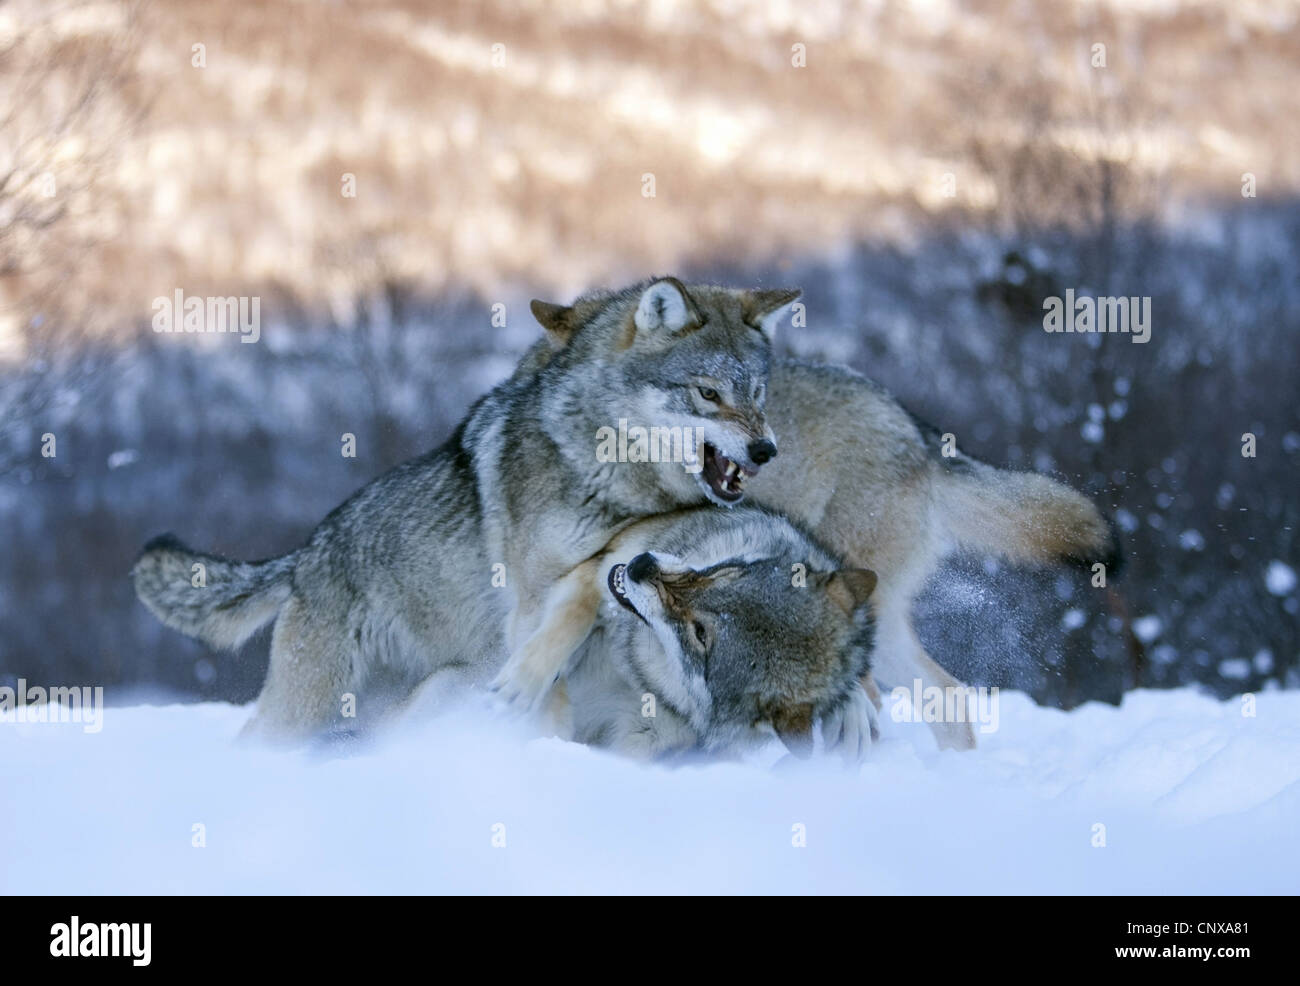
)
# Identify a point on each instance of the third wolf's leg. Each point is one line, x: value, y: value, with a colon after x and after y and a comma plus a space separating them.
x: 901, y: 661
x: 951, y: 735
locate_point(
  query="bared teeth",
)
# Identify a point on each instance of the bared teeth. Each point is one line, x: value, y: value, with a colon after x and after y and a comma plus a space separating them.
x: 731, y: 470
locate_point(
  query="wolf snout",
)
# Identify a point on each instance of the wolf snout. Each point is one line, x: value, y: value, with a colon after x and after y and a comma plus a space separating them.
x: 643, y: 567
x: 762, y: 451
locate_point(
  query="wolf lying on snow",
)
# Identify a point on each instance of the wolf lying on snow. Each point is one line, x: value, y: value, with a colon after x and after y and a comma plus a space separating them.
x: 399, y: 578
x: 729, y: 621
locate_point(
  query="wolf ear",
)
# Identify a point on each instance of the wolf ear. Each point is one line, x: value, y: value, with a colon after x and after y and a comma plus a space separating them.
x: 665, y: 307
x: 794, y: 726
x: 764, y: 310
x: 850, y: 588
x: 557, y: 320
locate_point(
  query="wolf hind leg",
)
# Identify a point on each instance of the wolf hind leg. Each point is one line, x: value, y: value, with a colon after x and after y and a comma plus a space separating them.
x: 312, y: 669
x: 901, y: 660
x: 959, y: 735
x: 442, y: 689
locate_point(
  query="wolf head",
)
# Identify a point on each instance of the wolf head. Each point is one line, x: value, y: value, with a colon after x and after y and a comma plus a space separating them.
x: 674, y: 378
x: 743, y: 644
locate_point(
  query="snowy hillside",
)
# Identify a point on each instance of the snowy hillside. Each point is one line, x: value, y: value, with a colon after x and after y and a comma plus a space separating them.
x: 1195, y: 797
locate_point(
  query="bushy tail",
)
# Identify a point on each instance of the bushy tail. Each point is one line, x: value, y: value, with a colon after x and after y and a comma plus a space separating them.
x: 222, y: 602
x: 1024, y: 516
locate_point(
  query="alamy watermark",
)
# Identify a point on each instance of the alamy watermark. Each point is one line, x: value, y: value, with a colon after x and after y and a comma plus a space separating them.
x: 954, y: 703
x: 51, y: 705
x: 131, y: 940
x: 654, y: 444
x: 1131, y: 316
x: 197, y: 314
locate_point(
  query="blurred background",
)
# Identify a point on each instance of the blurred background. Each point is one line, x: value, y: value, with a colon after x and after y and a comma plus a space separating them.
x: 927, y: 172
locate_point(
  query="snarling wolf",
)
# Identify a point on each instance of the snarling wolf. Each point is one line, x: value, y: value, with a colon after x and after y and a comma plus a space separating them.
x: 706, y: 629
x: 878, y: 486
x: 437, y: 567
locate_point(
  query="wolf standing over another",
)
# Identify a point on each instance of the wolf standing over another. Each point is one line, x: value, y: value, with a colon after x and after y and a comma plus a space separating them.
x: 399, y: 578
x: 655, y: 355
x: 874, y: 484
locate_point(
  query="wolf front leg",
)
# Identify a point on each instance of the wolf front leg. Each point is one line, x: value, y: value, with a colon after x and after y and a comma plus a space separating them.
x: 569, y: 612
x: 851, y: 728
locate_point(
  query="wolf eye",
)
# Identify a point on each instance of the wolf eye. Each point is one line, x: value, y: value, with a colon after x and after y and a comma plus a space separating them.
x: 709, y: 394
x: 700, y: 633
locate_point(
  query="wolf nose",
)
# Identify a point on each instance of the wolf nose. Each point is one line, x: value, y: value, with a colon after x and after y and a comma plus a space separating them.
x: 642, y: 567
x: 763, y: 450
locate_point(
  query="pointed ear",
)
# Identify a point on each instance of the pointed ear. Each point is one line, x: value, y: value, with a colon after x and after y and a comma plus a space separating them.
x: 764, y: 310
x: 794, y: 726
x: 850, y: 588
x: 665, y: 307
x: 557, y: 320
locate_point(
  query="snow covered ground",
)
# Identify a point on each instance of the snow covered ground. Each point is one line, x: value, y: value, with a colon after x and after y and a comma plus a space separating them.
x: 1195, y: 797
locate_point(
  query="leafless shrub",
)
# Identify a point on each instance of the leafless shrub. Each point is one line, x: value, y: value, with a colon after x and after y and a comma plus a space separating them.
x: 67, y: 103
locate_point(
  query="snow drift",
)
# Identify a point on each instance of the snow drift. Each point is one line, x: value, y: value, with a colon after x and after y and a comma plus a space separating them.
x: 1195, y: 796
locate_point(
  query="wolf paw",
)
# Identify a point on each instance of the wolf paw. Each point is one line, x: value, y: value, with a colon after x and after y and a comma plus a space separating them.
x: 954, y: 735
x: 523, y: 683
x: 852, y: 727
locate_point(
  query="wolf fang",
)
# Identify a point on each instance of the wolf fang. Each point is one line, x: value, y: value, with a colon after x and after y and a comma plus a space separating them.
x: 1105, y: 314
x: 74, y: 941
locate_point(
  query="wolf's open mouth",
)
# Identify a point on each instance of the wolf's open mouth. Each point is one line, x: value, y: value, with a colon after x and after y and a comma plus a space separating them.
x: 618, y: 589
x: 725, y: 478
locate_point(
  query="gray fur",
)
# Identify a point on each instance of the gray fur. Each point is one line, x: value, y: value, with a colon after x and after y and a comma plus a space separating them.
x: 870, y: 481
x: 239, y: 597
x: 781, y: 648
x: 398, y: 578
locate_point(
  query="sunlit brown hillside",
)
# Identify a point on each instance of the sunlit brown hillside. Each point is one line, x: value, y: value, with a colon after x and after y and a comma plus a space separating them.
x: 928, y: 172
x: 509, y: 143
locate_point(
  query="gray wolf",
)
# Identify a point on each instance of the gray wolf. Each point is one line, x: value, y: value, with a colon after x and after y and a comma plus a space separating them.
x: 436, y: 568
x: 875, y: 484
x: 705, y: 629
